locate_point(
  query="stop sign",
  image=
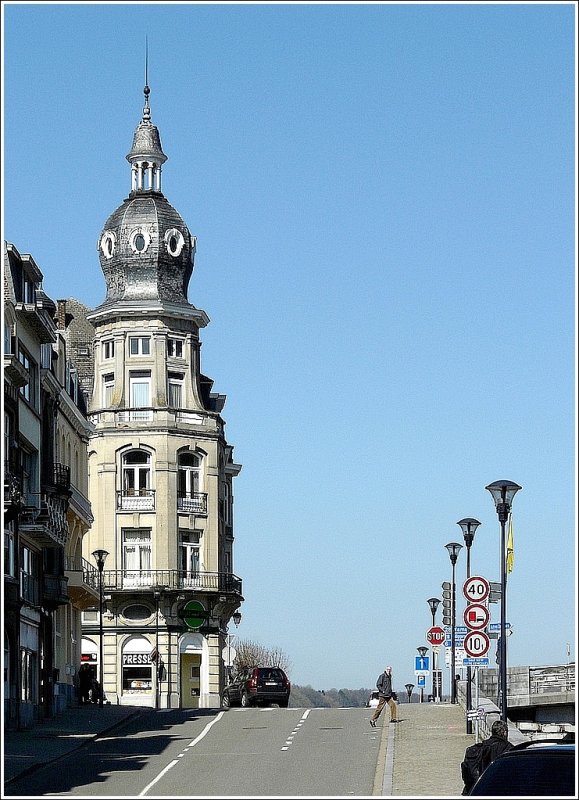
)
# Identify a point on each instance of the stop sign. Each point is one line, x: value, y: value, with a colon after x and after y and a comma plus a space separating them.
x: 435, y: 635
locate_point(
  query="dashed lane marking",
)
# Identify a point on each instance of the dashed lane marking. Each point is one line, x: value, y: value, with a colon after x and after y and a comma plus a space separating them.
x: 289, y: 740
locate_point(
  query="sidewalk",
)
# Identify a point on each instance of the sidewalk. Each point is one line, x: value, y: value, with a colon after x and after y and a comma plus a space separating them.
x: 428, y: 744
x: 49, y: 740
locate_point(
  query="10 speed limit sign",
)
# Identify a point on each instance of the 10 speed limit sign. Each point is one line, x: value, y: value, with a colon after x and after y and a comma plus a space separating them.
x: 476, y: 643
x: 476, y: 589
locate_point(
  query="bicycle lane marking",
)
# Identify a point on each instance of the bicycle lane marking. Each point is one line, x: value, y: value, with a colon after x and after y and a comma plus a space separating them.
x: 289, y: 740
x: 191, y: 744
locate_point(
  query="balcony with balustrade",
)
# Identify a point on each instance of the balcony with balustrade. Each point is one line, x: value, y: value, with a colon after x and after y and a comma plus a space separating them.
x: 192, y: 502
x: 82, y: 582
x: 144, y: 580
x: 136, y: 500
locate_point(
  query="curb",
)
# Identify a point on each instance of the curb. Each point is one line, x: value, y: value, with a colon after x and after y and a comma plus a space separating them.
x: 87, y: 740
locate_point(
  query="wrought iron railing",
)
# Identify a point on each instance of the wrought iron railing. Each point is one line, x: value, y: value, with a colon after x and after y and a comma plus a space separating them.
x: 62, y: 476
x: 123, y: 579
x: 90, y: 574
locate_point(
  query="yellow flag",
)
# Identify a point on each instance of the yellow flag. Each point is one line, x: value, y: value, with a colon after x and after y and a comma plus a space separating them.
x: 510, y: 546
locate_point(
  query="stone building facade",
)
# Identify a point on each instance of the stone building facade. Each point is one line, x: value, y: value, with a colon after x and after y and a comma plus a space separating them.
x: 160, y: 468
x: 46, y: 508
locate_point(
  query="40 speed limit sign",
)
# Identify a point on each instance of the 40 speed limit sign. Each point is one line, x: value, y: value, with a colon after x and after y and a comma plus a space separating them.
x: 476, y: 643
x: 476, y: 589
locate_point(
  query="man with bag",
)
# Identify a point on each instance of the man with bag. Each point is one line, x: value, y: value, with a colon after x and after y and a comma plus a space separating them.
x: 385, y: 695
x: 478, y: 756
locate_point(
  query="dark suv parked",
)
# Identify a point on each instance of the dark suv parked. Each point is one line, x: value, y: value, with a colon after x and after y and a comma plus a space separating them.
x: 258, y: 685
x: 531, y: 769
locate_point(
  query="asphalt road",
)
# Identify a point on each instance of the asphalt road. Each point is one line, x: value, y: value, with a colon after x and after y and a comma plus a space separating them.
x: 240, y: 752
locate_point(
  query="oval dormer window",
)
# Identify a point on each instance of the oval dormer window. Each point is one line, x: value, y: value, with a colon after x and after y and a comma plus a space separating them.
x: 108, y: 242
x: 174, y: 241
x: 139, y: 241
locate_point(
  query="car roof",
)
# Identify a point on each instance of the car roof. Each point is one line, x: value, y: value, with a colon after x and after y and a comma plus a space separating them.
x: 543, y: 744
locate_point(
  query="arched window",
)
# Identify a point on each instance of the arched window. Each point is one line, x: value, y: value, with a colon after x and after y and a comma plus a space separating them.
x: 190, y: 498
x: 136, y: 492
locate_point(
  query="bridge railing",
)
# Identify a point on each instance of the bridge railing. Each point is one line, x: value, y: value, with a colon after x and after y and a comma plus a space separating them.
x: 551, y: 680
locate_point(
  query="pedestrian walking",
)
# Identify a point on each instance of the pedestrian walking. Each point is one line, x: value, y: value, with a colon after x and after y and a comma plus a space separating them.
x: 84, y: 684
x: 385, y: 695
x: 478, y: 756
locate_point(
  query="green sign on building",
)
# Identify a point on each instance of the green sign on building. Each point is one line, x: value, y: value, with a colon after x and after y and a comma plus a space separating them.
x: 194, y: 614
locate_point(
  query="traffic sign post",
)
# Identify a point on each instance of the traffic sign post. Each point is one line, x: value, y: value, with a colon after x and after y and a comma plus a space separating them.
x: 476, y: 644
x: 477, y: 662
x: 437, y: 685
x: 435, y: 635
x: 476, y: 589
x: 476, y: 616
x: 422, y: 664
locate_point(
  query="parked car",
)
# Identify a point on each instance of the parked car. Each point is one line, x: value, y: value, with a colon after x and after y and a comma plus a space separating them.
x: 372, y: 701
x: 259, y: 685
x: 545, y: 767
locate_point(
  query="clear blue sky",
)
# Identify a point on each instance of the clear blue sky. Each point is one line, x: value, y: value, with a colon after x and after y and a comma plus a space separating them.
x: 384, y: 200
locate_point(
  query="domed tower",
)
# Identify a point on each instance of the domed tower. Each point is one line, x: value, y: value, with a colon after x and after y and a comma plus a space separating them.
x: 160, y: 469
x: 145, y: 249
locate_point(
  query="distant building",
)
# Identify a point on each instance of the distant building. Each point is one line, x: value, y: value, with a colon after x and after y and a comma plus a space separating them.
x: 160, y: 468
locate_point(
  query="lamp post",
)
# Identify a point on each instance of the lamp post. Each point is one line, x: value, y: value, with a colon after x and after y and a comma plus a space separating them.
x: 422, y: 651
x: 453, y: 550
x: 409, y: 687
x: 469, y: 526
x: 503, y: 493
x: 100, y: 557
x: 236, y: 617
x: 434, y: 602
x: 157, y: 590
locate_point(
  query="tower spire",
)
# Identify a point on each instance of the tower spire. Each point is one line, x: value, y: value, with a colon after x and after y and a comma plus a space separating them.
x: 147, y: 91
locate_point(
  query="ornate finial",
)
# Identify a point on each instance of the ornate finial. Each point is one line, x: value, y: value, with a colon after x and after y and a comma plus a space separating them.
x: 147, y: 91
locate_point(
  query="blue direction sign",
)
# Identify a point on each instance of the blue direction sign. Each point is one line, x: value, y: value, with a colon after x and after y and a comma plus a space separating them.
x: 476, y: 662
x: 421, y: 663
x: 496, y: 626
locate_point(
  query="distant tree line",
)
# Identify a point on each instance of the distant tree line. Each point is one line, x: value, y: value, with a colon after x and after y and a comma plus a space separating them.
x: 251, y: 654
x: 307, y: 697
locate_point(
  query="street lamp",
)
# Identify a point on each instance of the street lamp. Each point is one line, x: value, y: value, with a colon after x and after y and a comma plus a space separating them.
x: 469, y: 526
x: 409, y: 687
x: 453, y: 550
x: 236, y: 617
x: 158, y: 592
x: 434, y: 602
x: 100, y: 556
x: 422, y: 651
x: 503, y: 493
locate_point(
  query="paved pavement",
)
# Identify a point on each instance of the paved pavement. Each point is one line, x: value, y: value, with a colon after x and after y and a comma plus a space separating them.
x: 424, y: 751
x: 27, y: 750
x: 420, y: 755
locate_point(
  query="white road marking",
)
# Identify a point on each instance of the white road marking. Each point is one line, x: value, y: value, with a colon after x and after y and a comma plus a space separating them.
x: 195, y: 741
x: 295, y: 730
